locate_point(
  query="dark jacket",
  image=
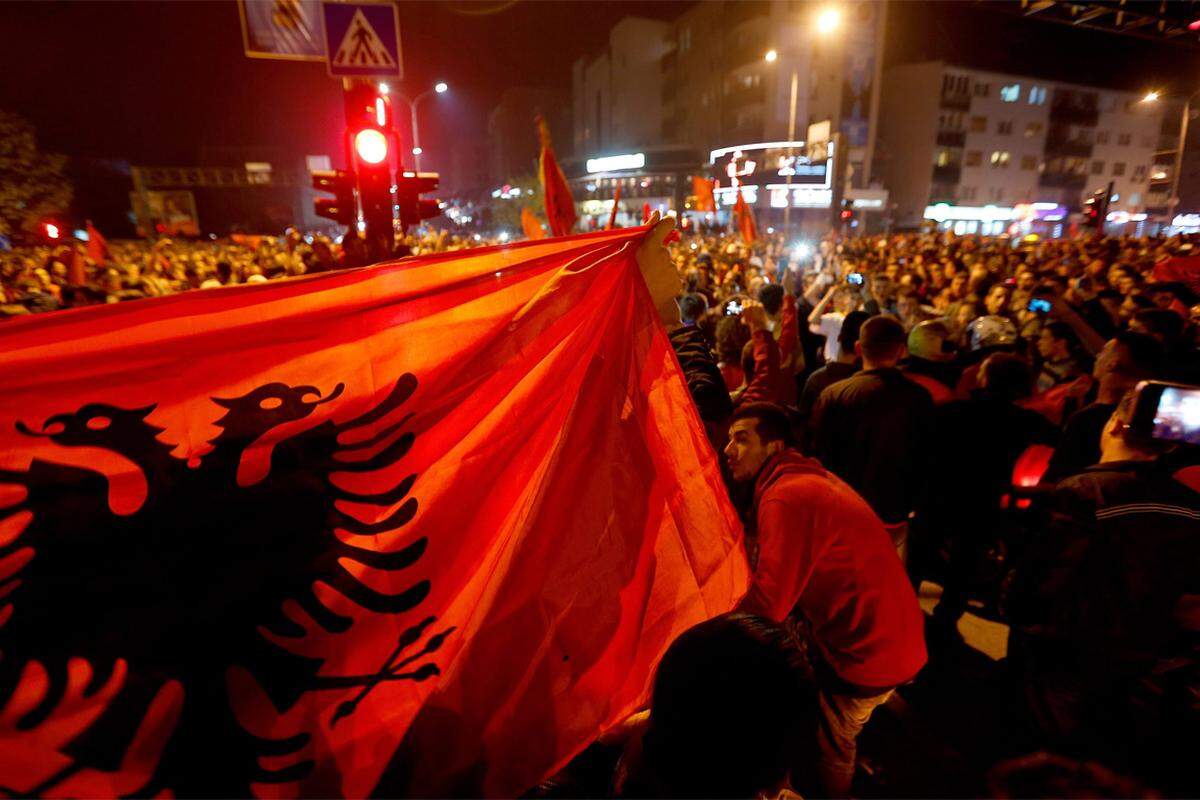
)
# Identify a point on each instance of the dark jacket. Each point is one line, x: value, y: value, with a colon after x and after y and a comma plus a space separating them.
x: 822, y: 379
x: 1101, y: 586
x: 703, y: 377
x: 873, y: 431
x: 1079, y: 447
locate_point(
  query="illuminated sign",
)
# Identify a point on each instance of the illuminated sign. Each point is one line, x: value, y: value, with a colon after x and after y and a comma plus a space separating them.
x: 1186, y: 221
x: 944, y: 211
x: 614, y: 163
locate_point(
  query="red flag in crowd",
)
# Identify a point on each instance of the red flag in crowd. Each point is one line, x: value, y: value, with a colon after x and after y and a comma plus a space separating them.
x: 1181, y: 269
x: 76, y: 268
x: 702, y: 190
x: 530, y: 224
x: 97, y: 245
x: 745, y: 219
x: 556, y: 195
x: 419, y: 529
x: 612, y: 215
x: 645, y: 213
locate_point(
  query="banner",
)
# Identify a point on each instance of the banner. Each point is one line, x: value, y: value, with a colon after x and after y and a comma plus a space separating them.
x: 422, y: 529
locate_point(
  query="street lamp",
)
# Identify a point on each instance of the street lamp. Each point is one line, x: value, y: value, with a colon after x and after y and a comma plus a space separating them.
x: 438, y: 88
x: 827, y: 22
x: 1173, y: 199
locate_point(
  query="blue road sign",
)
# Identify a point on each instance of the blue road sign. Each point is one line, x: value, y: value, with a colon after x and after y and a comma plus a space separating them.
x: 362, y: 39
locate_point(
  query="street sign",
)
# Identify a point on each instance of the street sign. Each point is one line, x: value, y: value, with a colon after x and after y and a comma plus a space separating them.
x: 282, y: 29
x: 362, y: 39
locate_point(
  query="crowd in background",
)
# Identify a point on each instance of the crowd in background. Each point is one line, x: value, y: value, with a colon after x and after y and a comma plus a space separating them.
x: 38, y: 279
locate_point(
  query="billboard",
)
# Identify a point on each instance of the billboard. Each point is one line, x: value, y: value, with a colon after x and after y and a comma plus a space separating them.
x: 169, y: 213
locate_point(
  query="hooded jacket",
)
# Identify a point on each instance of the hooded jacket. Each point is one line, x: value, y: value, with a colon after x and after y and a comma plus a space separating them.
x: 823, y: 553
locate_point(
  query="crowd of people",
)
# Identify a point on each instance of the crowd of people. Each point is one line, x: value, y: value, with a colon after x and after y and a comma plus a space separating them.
x: 46, y: 278
x: 892, y: 412
x: 967, y: 411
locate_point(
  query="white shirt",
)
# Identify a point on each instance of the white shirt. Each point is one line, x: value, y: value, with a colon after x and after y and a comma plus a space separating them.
x: 829, y: 327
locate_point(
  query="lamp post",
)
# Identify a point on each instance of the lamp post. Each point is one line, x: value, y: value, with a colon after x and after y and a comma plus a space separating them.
x: 1173, y: 199
x: 828, y: 20
x: 438, y: 88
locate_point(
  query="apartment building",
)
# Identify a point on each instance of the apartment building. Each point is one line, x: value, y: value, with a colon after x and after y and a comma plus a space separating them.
x: 977, y: 151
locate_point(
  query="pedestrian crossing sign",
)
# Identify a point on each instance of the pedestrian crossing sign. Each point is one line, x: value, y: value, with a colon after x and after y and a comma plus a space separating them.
x: 362, y: 39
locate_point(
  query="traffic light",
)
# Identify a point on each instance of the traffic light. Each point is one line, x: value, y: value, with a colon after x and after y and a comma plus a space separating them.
x: 373, y: 145
x: 339, y: 208
x: 413, y: 208
x: 847, y: 210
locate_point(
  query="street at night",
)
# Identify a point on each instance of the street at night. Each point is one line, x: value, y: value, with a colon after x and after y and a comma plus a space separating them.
x: 548, y: 399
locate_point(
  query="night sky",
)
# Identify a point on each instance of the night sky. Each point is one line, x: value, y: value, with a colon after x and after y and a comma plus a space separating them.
x: 167, y: 83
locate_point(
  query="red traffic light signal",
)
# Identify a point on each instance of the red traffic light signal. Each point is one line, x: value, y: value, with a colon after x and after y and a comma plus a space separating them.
x: 371, y: 146
x: 339, y: 208
x: 52, y: 231
x: 409, y: 188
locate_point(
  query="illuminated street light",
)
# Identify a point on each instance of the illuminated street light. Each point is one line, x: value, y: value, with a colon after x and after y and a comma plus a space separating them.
x: 829, y: 20
x: 440, y: 87
x: 384, y: 88
x: 52, y: 230
x: 416, y: 151
x: 771, y: 56
x: 1150, y: 97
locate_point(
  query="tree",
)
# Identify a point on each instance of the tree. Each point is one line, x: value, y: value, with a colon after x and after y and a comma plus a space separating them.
x: 523, y: 191
x: 32, y: 184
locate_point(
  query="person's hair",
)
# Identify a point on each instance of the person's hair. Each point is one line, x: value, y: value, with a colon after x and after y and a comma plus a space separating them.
x: 1060, y: 330
x: 1146, y: 355
x: 692, y: 307
x: 771, y: 297
x: 771, y: 422
x: 1008, y: 376
x: 1160, y: 322
x: 851, y: 329
x: 730, y: 709
x: 1133, y: 440
x: 881, y: 339
x: 224, y: 271
x: 731, y: 337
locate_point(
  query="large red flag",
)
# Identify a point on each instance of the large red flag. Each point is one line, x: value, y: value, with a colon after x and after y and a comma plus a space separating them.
x: 422, y: 528
x: 556, y: 195
x: 745, y: 219
x: 97, y: 245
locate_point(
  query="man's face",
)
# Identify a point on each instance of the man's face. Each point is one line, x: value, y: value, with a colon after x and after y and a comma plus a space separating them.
x: 906, y: 306
x: 745, y: 452
x: 1049, y: 346
x: 997, y: 300
x: 1026, y: 280
x: 843, y: 302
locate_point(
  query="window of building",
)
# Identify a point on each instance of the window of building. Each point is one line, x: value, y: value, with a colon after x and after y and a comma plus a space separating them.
x: 1000, y: 158
x: 1037, y: 95
x: 997, y: 192
x: 978, y: 124
x: 1139, y: 173
x: 966, y: 193
x: 983, y: 89
x: 1028, y: 162
x: 1097, y: 167
x: 974, y: 158
x: 1033, y: 129
x: 1135, y: 199
x: 946, y: 158
x: 1124, y: 139
x: 1004, y: 128
x: 1119, y: 168
x: 950, y: 121
x: 1010, y: 93
x: 1102, y: 137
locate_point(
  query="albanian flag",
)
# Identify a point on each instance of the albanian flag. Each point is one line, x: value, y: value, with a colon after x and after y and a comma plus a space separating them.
x: 423, y: 528
x: 97, y: 245
x: 556, y: 195
x: 702, y: 190
x: 532, y: 227
x: 745, y: 219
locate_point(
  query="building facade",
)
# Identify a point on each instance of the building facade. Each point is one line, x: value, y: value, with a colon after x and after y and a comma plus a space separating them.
x: 512, y: 134
x: 979, y: 151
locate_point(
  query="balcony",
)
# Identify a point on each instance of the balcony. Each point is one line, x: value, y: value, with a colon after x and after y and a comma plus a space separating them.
x: 1063, y: 180
x: 958, y: 101
x: 1077, y: 148
x: 1074, y: 108
x: 951, y: 138
x: 950, y: 173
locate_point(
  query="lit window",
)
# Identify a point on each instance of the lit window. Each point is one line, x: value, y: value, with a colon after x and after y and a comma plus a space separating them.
x: 1010, y: 93
x: 1037, y: 95
x: 1000, y: 158
x: 1033, y: 129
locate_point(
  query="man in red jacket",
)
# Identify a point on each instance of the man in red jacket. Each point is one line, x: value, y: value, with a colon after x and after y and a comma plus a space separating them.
x: 820, y: 554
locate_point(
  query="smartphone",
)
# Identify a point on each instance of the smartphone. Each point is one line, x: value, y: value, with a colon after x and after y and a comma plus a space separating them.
x: 733, y: 308
x: 1167, y: 411
x: 855, y: 278
x: 1038, y: 305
